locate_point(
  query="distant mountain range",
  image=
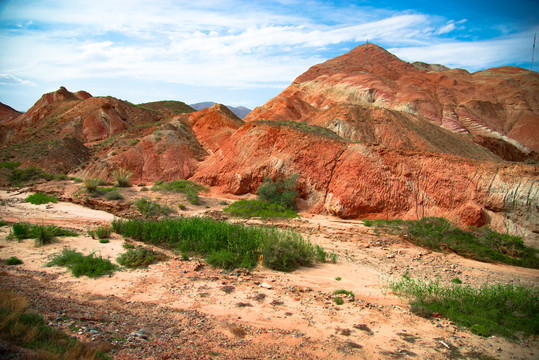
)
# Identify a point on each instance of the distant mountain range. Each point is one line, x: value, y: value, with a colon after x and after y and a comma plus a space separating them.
x: 240, y: 111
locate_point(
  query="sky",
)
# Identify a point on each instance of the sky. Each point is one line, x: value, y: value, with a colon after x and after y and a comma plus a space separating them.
x: 240, y: 53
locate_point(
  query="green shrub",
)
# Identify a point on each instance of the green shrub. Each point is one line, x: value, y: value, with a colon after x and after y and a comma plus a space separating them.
x: 90, y: 185
x: 43, y: 234
x: 10, y: 164
x: 494, y: 309
x: 104, y: 241
x: 282, y: 191
x: 113, y: 195
x: 479, y: 330
x: 122, y: 177
x: 189, y: 188
x: 258, y: 208
x: 344, y: 292
x: 338, y: 300
x: 141, y: 257
x: 456, y: 281
x: 101, y: 232
x: 224, y: 244
x: 338, y: 278
x: 483, y: 244
x: 39, y: 198
x: 90, y: 265
x: 181, y: 206
x: 223, y: 202
x: 3, y: 222
x: 151, y: 209
x: 13, y: 261
x: 127, y: 245
x: 288, y: 253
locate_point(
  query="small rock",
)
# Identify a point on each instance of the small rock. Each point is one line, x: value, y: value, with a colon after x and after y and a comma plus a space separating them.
x: 391, y: 256
x: 265, y: 285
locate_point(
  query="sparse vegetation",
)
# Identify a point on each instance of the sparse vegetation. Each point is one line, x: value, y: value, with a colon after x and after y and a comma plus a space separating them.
x: 19, y: 177
x: 22, y: 327
x: 223, y: 244
x: 344, y: 292
x: 506, y: 310
x: 140, y: 257
x: 189, y: 188
x: 91, y: 185
x: 281, y: 191
x: 223, y: 202
x: 104, y: 241
x: 42, y: 234
x: 3, y: 222
x: 13, y: 261
x: 113, y: 195
x: 338, y: 300
x: 304, y: 127
x: 90, y: 265
x: 39, y: 198
x: 122, y: 177
x: 258, y: 208
x: 480, y: 244
x: 151, y: 209
x: 181, y: 206
x: 101, y: 232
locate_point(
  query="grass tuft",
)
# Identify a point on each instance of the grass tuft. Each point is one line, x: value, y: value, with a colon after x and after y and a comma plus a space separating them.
x: 140, y: 258
x: 506, y: 310
x: 122, y: 177
x: 13, y: 261
x: 223, y: 244
x: 39, y: 198
x: 189, y: 188
x: 22, y: 327
x: 90, y: 265
x: 101, y: 232
x: 42, y: 234
x: 151, y: 209
x: 259, y: 208
x: 483, y: 244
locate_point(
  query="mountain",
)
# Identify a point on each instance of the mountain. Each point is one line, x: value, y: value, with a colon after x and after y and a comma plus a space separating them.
x: 369, y: 136
x: 240, y: 111
x: 7, y: 112
x: 496, y: 108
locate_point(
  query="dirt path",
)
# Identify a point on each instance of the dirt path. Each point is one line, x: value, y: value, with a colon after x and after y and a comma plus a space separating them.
x: 186, y: 309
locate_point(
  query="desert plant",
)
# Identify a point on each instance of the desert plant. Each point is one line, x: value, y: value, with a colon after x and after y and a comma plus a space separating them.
x: 13, y: 261
x: 3, y: 222
x: 113, y: 195
x: 258, y: 208
x: 141, y: 257
x: 344, y: 292
x: 89, y: 265
x: 43, y: 234
x: 181, y: 206
x: 104, y: 241
x: 189, y: 188
x: 338, y: 300
x: 122, y: 177
x: 39, y: 198
x: 223, y: 202
x: 90, y: 185
x: 151, y: 209
x: 243, y: 244
x: 28, y: 329
x: 491, y: 309
x: 281, y: 191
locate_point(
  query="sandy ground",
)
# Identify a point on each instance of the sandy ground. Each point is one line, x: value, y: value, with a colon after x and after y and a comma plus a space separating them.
x: 190, y: 310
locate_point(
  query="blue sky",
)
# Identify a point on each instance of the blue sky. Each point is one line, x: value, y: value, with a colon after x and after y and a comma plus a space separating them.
x: 237, y: 52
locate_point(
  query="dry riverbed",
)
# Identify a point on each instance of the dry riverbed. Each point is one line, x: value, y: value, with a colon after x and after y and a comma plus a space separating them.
x: 185, y: 309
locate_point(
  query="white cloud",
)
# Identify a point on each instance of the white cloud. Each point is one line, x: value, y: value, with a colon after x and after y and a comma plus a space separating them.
x: 8, y: 79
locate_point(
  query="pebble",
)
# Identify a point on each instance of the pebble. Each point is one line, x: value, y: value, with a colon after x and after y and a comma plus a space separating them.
x: 265, y: 285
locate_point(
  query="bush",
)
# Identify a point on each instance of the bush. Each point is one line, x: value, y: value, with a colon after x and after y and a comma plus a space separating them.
x: 89, y: 265
x: 338, y: 300
x: 282, y: 192
x: 91, y: 185
x: 13, y: 261
x: 258, y: 208
x: 344, y: 292
x: 223, y: 202
x: 141, y: 257
x: 3, y: 222
x: 101, y: 232
x: 181, y: 206
x: 39, y: 198
x: 113, y: 195
x: 224, y: 244
x: 104, y: 241
x: 189, y: 188
x: 151, y: 209
x: 43, y: 234
x: 122, y: 177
